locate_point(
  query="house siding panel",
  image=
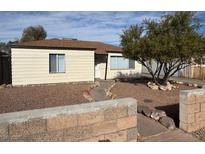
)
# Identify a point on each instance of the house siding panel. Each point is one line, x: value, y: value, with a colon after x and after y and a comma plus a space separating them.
x: 31, y: 66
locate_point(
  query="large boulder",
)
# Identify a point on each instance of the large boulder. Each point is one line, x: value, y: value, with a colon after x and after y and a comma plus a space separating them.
x: 153, y: 86
x: 167, y: 122
x: 144, y: 110
x: 157, y: 114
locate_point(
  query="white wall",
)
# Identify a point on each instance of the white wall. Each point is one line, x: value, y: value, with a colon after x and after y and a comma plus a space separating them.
x: 31, y: 66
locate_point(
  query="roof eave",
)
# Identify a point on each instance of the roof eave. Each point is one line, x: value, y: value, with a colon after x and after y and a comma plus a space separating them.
x: 47, y: 47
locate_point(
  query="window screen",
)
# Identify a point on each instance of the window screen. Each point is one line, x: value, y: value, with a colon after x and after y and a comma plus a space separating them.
x: 56, y: 63
x: 119, y: 62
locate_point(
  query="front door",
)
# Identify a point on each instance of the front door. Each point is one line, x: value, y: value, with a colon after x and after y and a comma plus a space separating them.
x: 97, y: 71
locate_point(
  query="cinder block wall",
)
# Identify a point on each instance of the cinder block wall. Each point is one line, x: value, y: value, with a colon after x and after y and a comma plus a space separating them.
x: 115, y: 120
x: 192, y: 109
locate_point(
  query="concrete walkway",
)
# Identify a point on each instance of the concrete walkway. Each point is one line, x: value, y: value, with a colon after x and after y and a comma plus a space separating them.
x: 148, y: 127
x: 152, y: 131
x: 171, y: 136
x: 99, y: 93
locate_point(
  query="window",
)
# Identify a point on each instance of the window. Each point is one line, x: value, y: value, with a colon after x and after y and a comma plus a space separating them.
x: 203, y: 61
x: 56, y: 63
x: 119, y: 62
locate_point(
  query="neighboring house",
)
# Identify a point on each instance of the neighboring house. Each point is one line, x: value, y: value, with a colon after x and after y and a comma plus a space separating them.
x: 60, y: 60
x: 198, y: 70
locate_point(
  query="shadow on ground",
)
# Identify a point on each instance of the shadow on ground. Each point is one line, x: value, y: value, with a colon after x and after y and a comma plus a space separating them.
x: 171, y: 111
x: 135, y: 81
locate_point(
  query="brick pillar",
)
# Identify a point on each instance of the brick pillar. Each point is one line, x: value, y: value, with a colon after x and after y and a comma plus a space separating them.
x: 192, y: 109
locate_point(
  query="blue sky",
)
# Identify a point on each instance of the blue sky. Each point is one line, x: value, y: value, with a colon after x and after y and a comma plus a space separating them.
x: 94, y: 26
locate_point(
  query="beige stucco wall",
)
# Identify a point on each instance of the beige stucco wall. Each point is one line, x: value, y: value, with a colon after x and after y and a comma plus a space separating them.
x: 31, y: 66
x: 122, y: 73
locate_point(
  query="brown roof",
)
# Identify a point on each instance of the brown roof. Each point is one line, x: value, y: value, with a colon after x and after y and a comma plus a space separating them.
x: 99, y: 47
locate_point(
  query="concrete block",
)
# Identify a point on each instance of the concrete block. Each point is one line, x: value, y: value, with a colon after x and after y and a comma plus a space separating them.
x: 127, y: 122
x: 120, y: 136
x: 90, y: 118
x: 22, y: 129
x: 61, y: 122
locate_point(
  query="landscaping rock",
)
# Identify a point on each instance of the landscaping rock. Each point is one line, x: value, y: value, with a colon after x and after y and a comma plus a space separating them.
x: 96, y: 84
x: 174, y: 87
x: 157, y: 114
x: 189, y: 84
x: 168, y: 83
x: 114, y: 96
x: 108, y: 93
x: 167, y: 122
x: 140, y: 108
x: 164, y: 88
x: 144, y: 110
x: 9, y: 86
x: 147, y: 112
x: 2, y: 86
x: 152, y: 85
x: 86, y: 95
x: 180, y: 82
x: 169, y: 86
x: 195, y: 85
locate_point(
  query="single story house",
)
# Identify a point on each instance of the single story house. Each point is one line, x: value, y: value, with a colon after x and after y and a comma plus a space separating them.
x: 67, y: 60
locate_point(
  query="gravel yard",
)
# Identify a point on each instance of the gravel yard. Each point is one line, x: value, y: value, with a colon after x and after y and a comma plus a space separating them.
x: 27, y: 98
x: 43, y: 96
x: 200, y: 134
x: 163, y: 100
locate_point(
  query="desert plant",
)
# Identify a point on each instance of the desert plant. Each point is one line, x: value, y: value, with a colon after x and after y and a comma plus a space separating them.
x: 170, y: 43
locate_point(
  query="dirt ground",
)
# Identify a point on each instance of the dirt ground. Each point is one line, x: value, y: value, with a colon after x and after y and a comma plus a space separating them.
x: 27, y: 98
x: 158, y: 99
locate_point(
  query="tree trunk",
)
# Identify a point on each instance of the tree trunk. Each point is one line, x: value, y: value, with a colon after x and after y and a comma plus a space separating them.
x: 165, y: 79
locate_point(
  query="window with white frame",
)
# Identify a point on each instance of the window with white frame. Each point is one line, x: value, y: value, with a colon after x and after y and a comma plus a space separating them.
x: 119, y: 62
x: 57, y: 63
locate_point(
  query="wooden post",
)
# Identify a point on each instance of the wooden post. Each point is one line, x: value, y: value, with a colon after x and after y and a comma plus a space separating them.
x: 106, y: 67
